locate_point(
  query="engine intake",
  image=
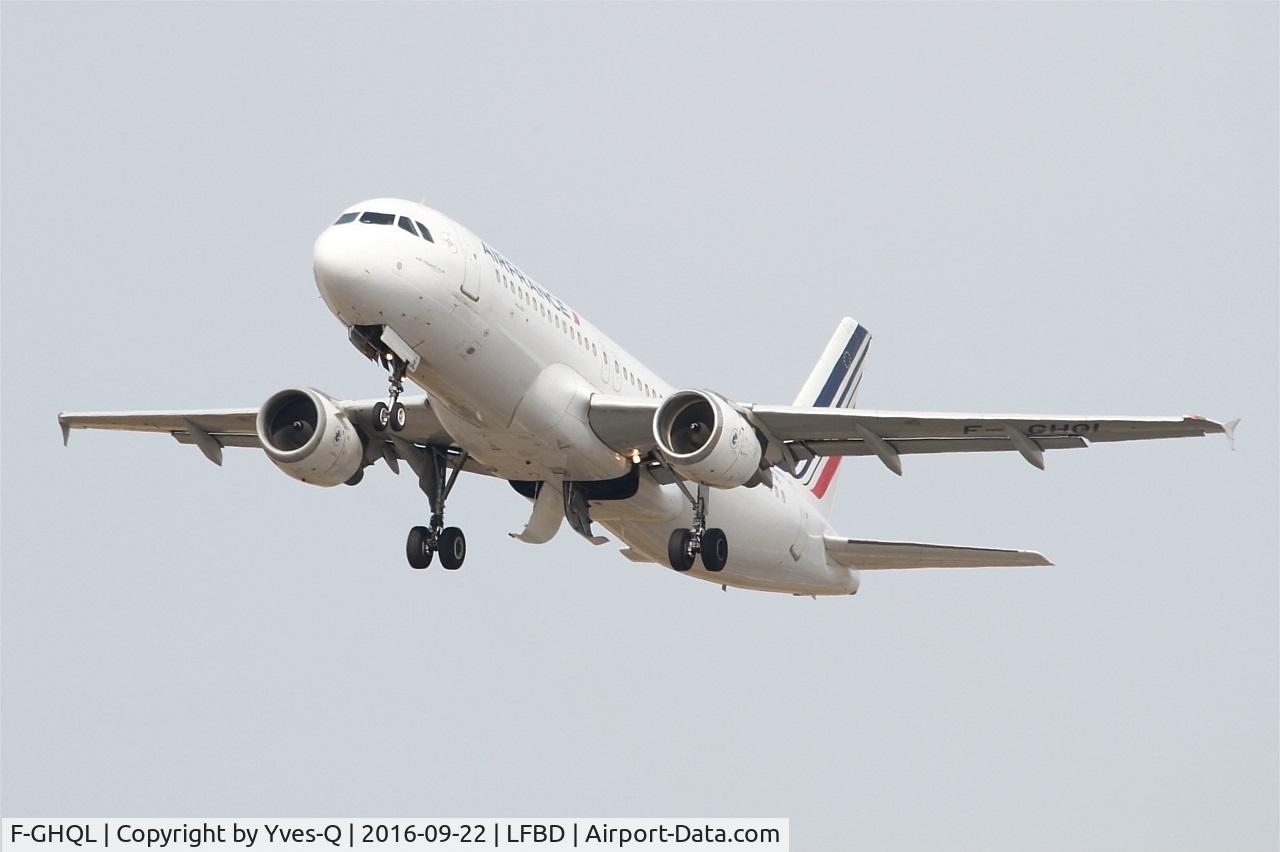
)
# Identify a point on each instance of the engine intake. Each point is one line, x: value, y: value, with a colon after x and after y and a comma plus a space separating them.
x: 705, y: 439
x: 309, y: 437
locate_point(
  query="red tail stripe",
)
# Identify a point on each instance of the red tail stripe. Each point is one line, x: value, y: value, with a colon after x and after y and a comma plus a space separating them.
x: 825, y: 477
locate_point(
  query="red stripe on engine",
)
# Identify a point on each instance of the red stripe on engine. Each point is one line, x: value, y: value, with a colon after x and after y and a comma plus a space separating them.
x: 825, y: 477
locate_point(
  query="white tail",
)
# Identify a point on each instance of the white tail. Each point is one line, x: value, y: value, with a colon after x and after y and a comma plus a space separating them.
x: 833, y: 383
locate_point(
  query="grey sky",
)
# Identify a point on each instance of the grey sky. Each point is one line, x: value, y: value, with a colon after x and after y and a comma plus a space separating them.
x: 1033, y: 208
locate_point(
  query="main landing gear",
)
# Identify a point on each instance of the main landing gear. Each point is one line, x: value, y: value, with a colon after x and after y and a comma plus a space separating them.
x: 393, y: 415
x: 685, y: 545
x: 424, y: 542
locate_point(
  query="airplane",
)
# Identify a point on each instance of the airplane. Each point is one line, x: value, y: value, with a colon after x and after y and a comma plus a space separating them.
x: 518, y: 385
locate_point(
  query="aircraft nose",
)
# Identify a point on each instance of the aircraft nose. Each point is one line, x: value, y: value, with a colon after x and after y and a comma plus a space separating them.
x: 344, y: 272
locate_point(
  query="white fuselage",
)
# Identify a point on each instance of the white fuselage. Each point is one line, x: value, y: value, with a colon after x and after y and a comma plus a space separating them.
x: 509, y: 369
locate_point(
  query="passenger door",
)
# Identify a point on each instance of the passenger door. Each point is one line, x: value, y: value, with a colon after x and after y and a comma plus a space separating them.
x: 473, y: 273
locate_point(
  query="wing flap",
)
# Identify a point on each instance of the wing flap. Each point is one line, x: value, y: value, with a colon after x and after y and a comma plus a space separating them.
x: 869, y: 555
x: 226, y: 439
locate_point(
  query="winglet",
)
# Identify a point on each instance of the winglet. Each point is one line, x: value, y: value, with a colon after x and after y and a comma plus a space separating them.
x: 66, y: 429
x: 1230, y: 429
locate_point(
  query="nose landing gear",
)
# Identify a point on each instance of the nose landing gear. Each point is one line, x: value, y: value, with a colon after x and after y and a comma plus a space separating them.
x: 423, y: 543
x: 685, y: 545
x: 393, y: 415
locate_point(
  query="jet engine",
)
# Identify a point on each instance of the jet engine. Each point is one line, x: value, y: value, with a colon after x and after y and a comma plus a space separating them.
x: 309, y: 437
x: 706, y: 440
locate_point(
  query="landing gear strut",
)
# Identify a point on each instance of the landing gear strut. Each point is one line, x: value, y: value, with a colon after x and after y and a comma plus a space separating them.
x: 393, y: 415
x: 423, y: 543
x: 685, y: 545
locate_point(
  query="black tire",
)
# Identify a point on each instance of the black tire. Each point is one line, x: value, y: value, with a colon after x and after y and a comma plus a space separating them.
x: 678, y: 549
x: 381, y: 415
x: 399, y: 417
x: 715, y: 549
x: 453, y: 548
x: 418, y: 548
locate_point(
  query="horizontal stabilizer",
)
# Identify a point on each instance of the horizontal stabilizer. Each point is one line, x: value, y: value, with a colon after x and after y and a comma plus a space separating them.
x: 874, y: 555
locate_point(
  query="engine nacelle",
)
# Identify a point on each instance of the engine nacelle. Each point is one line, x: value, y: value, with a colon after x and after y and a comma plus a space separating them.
x: 309, y: 437
x: 705, y: 439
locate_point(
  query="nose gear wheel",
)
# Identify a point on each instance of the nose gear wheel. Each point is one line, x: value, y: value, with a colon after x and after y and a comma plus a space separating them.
x: 392, y: 413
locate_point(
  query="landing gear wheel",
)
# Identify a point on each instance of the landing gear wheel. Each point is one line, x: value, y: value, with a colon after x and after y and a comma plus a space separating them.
x: 381, y: 416
x: 715, y: 549
x: 680, y: 550
x: 418, y: 548
x: 453, y: 548
x: 399, y: 417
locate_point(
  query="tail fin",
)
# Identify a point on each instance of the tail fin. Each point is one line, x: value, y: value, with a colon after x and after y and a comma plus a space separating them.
x: 833, y: 383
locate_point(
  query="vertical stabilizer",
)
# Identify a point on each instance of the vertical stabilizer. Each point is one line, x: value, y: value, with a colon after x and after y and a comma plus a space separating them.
x: 833, y: 383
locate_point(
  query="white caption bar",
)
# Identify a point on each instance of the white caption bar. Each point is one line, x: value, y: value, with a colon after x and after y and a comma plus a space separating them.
x: 215, y: 835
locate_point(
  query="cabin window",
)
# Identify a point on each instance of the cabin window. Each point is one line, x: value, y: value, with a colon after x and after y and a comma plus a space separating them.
x: 371, y: 218
x: 406, y: 225
x: 345, y: 218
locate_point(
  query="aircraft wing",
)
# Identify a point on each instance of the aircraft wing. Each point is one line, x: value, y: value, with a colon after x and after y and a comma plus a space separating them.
x: 236, y: 425
x: 213, y: 429
x: 625, y: 424
x: 872, y: 555
x: 812, y: 432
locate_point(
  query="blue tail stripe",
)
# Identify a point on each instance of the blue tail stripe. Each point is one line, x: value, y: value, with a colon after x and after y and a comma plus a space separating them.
x: 839, y: 371
x: 804, y: 470
x: 838, y: 375
x: 853, y: 380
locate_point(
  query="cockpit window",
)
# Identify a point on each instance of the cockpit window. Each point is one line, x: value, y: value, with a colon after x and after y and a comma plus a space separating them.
x: 426, y: 235
x: 345, y: 218
x: 371, y: 218
x: 407, y: 225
